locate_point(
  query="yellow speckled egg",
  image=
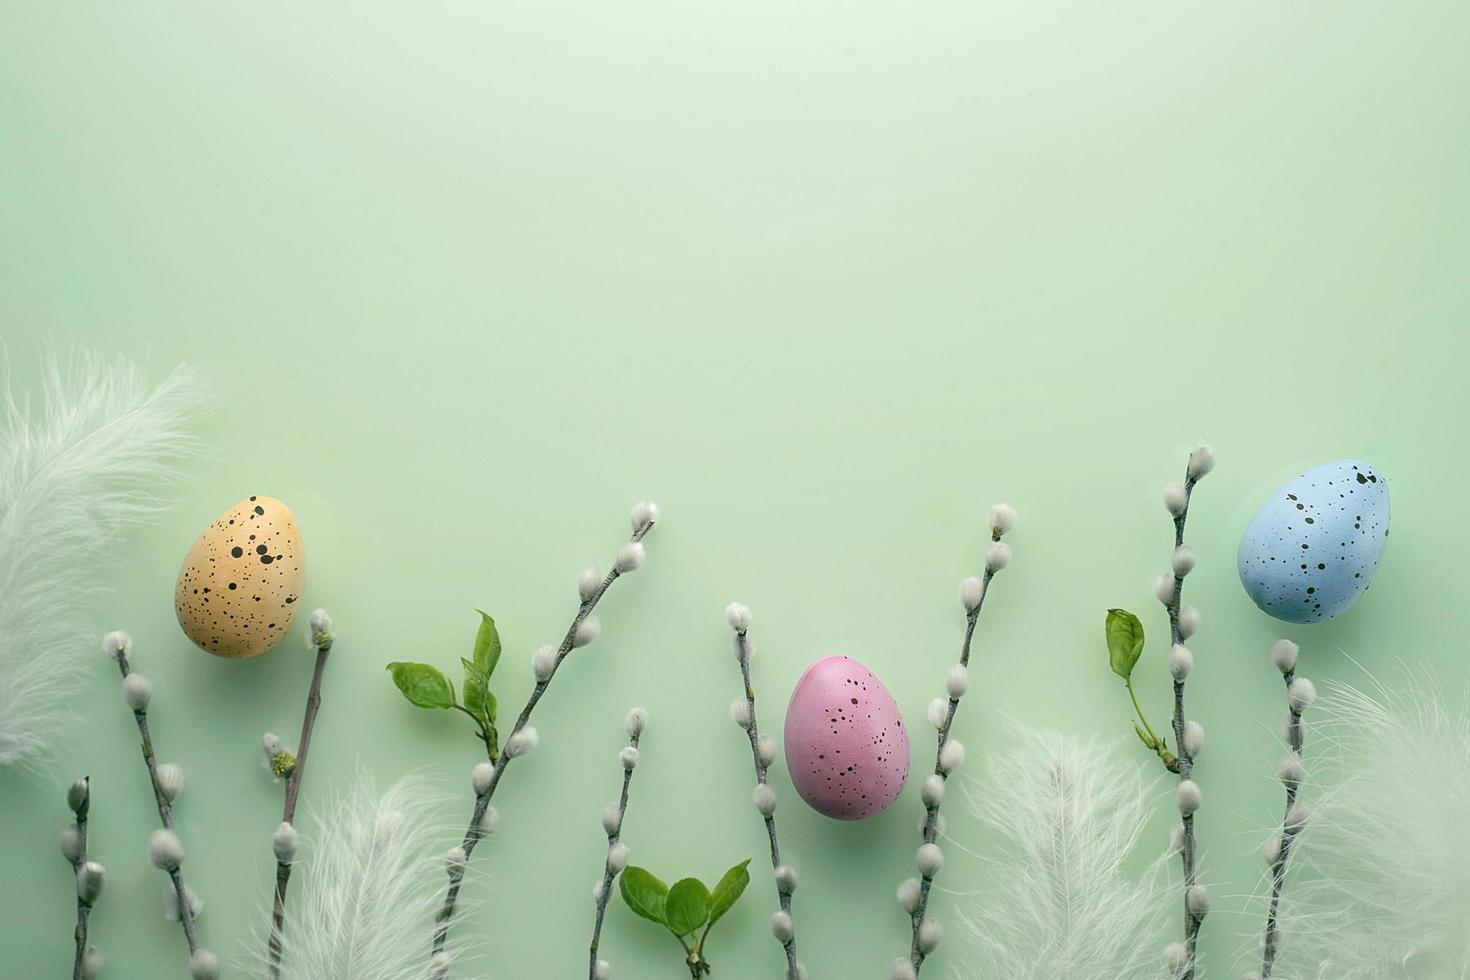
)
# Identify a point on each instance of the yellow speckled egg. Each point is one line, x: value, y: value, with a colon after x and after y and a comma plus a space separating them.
x: 242, y: 580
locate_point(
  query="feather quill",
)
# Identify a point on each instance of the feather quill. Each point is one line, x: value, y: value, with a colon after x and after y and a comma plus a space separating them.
x: 369, y: 891
x: 1381, y: 883
x: 1060, y: 902
x: 74, y: 470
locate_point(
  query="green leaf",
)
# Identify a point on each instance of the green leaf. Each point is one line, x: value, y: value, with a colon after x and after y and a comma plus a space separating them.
x: 487, y: 644
x: 423, y: 685
x: 687, y: 907
x: 644, y: 893
x: 1145, y: 738
x: 477, y: 692
x: 728, y: 890
x: 1125, y: 641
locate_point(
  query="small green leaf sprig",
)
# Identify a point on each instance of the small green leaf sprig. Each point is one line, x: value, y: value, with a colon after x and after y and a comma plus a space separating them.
x: 685, y: 908
x: 426, y: 686
x: 617, y: 852
x: 1125, y: 641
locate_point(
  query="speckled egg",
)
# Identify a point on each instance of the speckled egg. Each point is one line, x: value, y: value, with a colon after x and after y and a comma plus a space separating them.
x: 846, y: 748
x: 241, y: 581
x: 1313, y: 547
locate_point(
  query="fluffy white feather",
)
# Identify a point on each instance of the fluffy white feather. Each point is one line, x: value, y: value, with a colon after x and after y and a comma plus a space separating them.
x: 1060, y: 902
x: 77, y: 464
x: 369, y: 890
x: 1379, y: 885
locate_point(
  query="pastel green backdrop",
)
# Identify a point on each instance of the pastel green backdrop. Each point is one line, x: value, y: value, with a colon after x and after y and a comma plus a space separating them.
x: 826, y: 280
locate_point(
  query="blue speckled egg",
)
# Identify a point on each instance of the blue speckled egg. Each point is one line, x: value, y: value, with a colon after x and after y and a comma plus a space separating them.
x: 1312, y: 548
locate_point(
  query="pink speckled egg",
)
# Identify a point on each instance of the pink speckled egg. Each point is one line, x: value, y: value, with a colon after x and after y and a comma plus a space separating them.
x: 845, y: 745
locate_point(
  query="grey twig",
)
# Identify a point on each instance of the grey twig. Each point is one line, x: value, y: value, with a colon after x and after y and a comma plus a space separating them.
x: 644, y: 521
x: 75, y: 848
x: 1299, y: 695
x: 762, y: 753
x: 948, y: 752
x: 617, y: 852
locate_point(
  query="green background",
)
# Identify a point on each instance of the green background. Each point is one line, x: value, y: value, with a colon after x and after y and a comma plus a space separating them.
x: 825, y: 280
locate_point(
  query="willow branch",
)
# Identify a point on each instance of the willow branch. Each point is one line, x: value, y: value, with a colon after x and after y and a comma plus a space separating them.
x: 285, y: 838
x: 762, y: 754
x: 522, y: 737
x: 949, y: 754
x: 88, y: 877
x: 1300, y: 694
x: 617, y: 852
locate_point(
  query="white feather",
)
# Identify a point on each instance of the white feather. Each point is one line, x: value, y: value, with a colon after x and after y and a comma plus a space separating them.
x: 1379, y: 884
x: 1060, y: 901
x: 75, y: 468
x: 368, y: 894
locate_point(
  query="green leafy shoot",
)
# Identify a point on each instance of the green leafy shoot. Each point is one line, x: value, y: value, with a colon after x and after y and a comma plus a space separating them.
x: 426, y: 686
x: 686, y: 907
x: 1125, y: 639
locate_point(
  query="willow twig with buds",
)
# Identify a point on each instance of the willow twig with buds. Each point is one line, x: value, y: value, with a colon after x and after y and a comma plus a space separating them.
x: 1188, y: 736
x: 1300, y: 695
x: 90, y: 876
x: 285, y: 839
x: 591, y: 586
x: 913, y: 894
x: 617, y: 851
x: 165, y: 850
x: 762, y: 754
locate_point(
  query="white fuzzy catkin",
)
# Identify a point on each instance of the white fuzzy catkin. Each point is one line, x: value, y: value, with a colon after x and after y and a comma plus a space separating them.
x: 171, y: 902
x: 203, y: 965
x: 440, y: 966
x: 929, y: 859
x: 170, y: 781
x: 765, y: 748
x: 952, y: 755
x: 903, y: 969
x: 908, y: 895
x: 1284, y: 655
x: 1194, y: 738
x: 765, y: 799
x: 738, y: 616
x: 636, y: 722
x: 785, y: 879
x: 1176, y: 840
x: 740, y: 712
x: 90, y: 879
x: 522, y: 742
x: 931, y: 790
x: 284, y: 843
x: 454, y: 860
x: 1002, y: 519
x: 1272, y: 851
x: 1296, y: 817
x: 165, y: 851
x: 1302, y: 694
x: 971, y: 592
x: 1176, y: 958
x: 643, y: 515
x: 1201, y: 462
x: 602, y: 971
x: 71, y: 843
x: 586, y: 631
x: 1188, y: 796
x: 930, y: 934
x: 1184, y: 561
x: 1188, y: 622
x: 480, y: 778
x: 938, y: 712
x: 1164, y: 588
x: 957, y: 682
x: 1181, y: 661
x: 543, y: 662
x: 589, y: 582
x: 1291, y: 771
x: 629, y: 758
x: 1197, y: 900
x: 617, y: 857
x: 630, y: 557
x: 117, y: 645
x: 923, y: 827
x: 319, y: 622
x: 997, y: 556
x: 137, y: 691
x: 1175, y: 499
x: 782, y: 928
x: 612, y: 819
x: 489, y: 821
x: 91, y: 964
